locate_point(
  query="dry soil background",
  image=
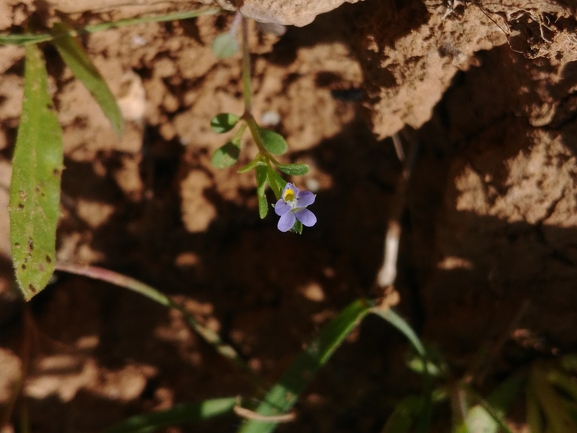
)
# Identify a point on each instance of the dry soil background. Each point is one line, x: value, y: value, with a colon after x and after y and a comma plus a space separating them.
x: 486, y: 90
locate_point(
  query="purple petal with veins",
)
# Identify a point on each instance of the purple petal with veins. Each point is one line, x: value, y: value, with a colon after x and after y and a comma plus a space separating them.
x: 286, y: 222
x: 305, y: 198
x: 305, y: 216
x: 281, y: 207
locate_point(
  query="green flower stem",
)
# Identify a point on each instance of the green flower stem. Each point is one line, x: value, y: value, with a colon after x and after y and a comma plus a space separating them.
x: 246, y: 88
x: 247, y: 116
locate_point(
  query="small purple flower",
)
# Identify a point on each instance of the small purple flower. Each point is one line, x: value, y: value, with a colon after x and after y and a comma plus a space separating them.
x: 292, y: 206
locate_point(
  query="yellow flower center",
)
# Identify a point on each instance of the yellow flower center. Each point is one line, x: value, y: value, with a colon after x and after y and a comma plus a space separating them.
x: 289, y: 195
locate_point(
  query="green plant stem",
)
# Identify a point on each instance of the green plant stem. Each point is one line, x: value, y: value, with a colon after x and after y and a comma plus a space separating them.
x: 139, y: 287
x: 246, y: 87
x: 25, y: 39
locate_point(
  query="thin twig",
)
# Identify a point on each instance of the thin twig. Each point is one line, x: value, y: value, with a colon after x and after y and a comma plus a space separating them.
x: 388, y: 272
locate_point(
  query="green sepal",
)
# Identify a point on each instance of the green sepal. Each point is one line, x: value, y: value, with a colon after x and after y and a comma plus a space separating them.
x: 225, y: 45
x: 261, y: 180
x: 297, y: 228
x: 223, y: 122
x: 294, y: 169
x: 272, y: 141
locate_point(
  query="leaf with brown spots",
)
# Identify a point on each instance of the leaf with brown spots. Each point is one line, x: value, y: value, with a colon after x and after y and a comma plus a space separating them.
x: 35, y: 186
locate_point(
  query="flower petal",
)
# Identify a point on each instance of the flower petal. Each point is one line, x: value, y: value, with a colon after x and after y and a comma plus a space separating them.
x: 286, y: 222
x: 306, y: 217
x: 281, y: 207
x: 305, y: 198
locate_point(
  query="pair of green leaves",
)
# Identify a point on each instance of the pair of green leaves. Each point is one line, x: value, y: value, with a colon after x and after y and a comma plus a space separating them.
x: 38, y: 161
x: 263, y: 164
x: 274, y: 143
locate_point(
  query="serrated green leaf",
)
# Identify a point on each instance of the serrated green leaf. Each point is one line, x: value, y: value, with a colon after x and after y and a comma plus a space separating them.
x: 225, y: 45
x: 226, y: 155
x: 261, y: 179
x: 24, y: 39
x: 272, y: 141
x: 81, y: 66
x: 284, y: 394
x: 223, y: 122
x: 35, y: 187
x: 179, y: 414
x: 294, y: 169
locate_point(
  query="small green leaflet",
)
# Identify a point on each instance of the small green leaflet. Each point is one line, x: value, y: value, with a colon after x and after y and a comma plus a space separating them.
x: 272, y: 141
x: 261, y: 179
x: 37, y: 165
x: 77, y: 60
x: 225, y: 45
x: 227, y: 155
x: 294, y: 169
x: 254, y: 163
x: 223, y: 122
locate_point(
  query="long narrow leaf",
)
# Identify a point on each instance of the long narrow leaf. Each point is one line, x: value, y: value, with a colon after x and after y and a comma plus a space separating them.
x: 77, y: 60
x: 173, y: 16
x: 180, y: 414
x: 558, y: 419
x: 485, y: 425
x: 35, y: 187
x: 24, y: 39
x: 284, y: 394
x: 487, y: 416
x: 139, y: 287
x: 398, y: 322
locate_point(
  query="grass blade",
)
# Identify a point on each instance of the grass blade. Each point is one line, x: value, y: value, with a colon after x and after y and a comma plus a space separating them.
x: 173, y: 16
x: 180, y: 414
x: 404, y: 415
x: 487, y: 416
x: 24, y: 39
x: 139, y: 287
x: 77, y: 60
x: 398, y: 322
x: 35, y: 187
x: 558, y: 419
x: 284, y: 394
x: 27, y: 38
